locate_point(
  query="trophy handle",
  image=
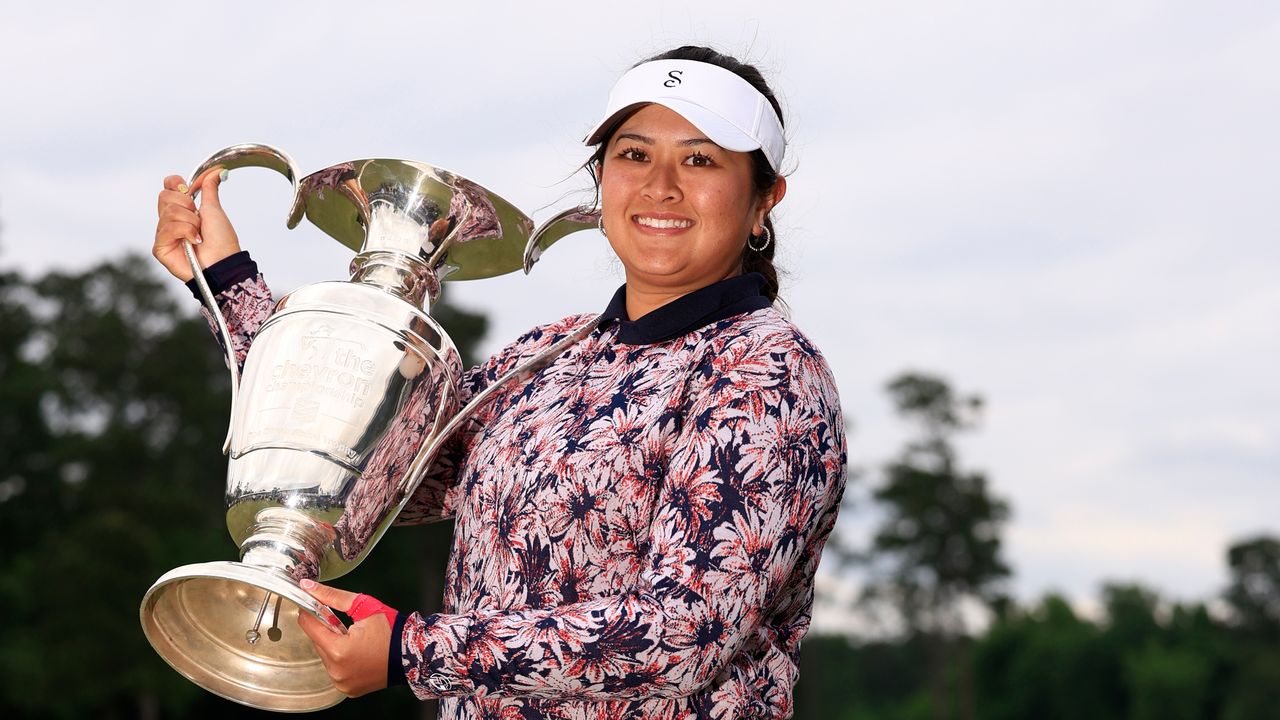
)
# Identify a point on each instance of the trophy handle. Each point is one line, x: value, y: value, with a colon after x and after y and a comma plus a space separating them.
x: 556, y: 227
x: 226, y: 159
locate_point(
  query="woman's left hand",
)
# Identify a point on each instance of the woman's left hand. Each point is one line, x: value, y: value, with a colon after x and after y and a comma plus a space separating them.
x: 356, y: 661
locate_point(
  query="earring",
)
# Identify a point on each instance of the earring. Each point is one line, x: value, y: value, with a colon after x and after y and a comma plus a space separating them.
x: 760, y: 242
x: 600, y: 224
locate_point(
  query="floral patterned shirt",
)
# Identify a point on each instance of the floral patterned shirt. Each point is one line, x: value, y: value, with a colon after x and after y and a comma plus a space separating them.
x: 638, y: 526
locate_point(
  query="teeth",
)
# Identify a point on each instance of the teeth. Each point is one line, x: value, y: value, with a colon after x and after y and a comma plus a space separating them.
x: 657, y: 223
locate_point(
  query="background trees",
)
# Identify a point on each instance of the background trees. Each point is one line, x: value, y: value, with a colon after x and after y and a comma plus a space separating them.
x: 1141, y: 657
x: 1254, y: 593
x: 939, y: 542
x: 937, y: 550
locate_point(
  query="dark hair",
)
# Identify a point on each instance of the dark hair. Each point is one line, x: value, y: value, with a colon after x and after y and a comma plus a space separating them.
x: 763, y: 176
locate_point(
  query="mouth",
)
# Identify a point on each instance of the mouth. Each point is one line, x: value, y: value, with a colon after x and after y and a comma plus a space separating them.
x: 661, y: 223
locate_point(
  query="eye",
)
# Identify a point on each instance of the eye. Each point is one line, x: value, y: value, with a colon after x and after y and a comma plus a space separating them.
x: 700, y: 160
x: 633, y: 153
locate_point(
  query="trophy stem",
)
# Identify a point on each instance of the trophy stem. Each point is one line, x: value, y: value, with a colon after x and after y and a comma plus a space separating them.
x: 288, y: 541
x: 404, y: 276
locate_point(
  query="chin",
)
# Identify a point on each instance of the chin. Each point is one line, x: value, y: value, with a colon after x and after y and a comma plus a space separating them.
x: 658, y: 266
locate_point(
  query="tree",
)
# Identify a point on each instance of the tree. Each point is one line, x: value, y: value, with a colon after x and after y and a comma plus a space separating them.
x: 113, y: 405
x: 1253, y: 594
x: 941, y: 534
x: 1254, y: 590
x: 112, y: 442
x: 938, y: 547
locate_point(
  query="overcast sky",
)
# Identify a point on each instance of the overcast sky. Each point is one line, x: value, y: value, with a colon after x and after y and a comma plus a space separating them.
x: 1070, y: 208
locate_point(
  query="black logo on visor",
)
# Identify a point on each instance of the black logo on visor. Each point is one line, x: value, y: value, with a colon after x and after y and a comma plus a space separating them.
x: 675, y: 78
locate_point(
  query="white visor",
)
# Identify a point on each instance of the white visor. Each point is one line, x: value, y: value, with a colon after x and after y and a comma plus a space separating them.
x: 732, y: 113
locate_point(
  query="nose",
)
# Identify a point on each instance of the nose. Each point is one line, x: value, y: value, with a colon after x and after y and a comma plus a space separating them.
x: 662, y: 184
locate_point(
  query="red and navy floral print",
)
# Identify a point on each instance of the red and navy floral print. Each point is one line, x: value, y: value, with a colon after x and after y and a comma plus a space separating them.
x: 637, y: 527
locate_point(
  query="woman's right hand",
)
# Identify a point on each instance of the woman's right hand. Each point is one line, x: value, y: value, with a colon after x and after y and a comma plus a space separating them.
x: 208, y: 228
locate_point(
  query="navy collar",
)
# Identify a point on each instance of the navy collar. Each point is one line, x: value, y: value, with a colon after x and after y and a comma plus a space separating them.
x: 726, y: 298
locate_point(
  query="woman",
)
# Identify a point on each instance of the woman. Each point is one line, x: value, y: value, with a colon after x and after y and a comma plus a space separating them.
x: 638, y: 528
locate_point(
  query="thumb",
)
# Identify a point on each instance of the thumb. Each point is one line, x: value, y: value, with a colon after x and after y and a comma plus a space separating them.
x: 208, y: 182
x: 331, y: 596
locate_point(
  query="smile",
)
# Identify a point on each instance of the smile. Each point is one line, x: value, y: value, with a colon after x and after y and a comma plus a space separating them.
x: 662, y: 223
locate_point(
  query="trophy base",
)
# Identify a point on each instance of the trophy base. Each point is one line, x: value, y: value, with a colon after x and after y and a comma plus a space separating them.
x: 232, y: 629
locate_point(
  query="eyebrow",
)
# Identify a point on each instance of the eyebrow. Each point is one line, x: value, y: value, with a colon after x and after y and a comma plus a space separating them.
x: 649, y: 141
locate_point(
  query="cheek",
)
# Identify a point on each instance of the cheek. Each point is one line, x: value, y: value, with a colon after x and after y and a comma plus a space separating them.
x: 724, y: 204
x: 617, y: 181
x: 612, y: 205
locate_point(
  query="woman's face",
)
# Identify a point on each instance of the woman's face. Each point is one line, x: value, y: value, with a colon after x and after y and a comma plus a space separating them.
x: 677, y: 207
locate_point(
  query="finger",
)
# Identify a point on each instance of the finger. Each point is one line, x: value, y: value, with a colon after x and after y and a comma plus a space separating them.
x: 170, y: 232
x: 178, y: 213
x: 173, y: 197
x: 319, y: 631
x: 331, y: 596
x: 325, y: 638
x: 176, y: 183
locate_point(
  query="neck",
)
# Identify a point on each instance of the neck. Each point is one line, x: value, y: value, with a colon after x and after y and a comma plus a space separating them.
x: 643, y: 298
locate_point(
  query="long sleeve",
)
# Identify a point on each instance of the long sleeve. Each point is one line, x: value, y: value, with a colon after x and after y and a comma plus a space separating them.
x: 243, y: 298
x: 749, y: 494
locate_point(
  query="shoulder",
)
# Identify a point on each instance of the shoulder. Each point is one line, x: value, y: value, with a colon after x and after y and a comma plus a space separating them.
x: 766, y: 327
x: 767, y: 346
x: 762, y: 382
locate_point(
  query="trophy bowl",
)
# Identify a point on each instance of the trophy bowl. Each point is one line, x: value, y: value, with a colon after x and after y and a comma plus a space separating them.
x: 347, y: 392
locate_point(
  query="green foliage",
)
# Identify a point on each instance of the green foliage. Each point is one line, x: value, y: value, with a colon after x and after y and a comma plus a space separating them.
x: 108, y: 476
x: 1254, y: 592
x: 1142, y: 660
x: 941, y: 534
x: 843, y: 679
x: 113, y: 405
x: 1254, y: 684
x: 1167, y: 683
x: 1045, y: 663
x: 931, y: 401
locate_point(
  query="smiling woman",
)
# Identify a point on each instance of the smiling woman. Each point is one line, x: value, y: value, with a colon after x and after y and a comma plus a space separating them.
x: 637, y: 528
x: 678, y: 208
x: 721, y: 112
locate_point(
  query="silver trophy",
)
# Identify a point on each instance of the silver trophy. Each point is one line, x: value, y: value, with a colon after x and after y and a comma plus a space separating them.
x: 348, y: 391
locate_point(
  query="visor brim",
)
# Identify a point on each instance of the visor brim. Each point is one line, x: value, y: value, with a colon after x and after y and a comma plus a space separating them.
x: 717, y: 129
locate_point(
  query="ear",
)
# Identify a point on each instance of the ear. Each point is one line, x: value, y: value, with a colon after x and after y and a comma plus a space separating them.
x: 770, y: 199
